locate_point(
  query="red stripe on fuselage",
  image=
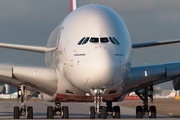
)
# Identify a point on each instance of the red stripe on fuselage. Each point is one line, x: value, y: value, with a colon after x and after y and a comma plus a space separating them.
x: 66, y: 98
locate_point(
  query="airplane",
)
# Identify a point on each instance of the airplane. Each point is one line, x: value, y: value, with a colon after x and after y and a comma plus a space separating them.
x: 133, y: 95
x: 88, y: 59
x: 9, y: 96
x: 171, y: 95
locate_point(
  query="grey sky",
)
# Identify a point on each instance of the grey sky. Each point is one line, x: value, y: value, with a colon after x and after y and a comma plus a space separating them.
x: 32, y: 21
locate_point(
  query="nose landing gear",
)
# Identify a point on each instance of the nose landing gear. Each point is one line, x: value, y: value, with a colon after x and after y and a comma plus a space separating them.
x: 103, y: 111
x: 145, y: 110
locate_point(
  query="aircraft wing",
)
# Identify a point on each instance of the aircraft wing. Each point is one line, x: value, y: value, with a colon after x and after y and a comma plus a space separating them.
x: 145, y: 76
x: 44, y: 79
x: 154, y: 43
x: 38, y: 49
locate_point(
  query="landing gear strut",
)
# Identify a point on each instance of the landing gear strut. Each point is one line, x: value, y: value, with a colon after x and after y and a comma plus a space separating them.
x: 103, y: 111
x: 64, y: 112
x: 24, y: 98
x: 145, y: 110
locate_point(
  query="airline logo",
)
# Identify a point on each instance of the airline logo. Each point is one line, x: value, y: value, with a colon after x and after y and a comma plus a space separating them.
x: 172, y: 94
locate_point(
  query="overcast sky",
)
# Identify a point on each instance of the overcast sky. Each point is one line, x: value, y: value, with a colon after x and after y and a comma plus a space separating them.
x: 32, y: 21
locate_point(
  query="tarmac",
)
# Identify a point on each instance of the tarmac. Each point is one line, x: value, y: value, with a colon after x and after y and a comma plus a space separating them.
x: 76, y: 110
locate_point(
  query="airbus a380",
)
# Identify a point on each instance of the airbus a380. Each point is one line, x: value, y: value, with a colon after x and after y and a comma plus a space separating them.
x: 88, y: 60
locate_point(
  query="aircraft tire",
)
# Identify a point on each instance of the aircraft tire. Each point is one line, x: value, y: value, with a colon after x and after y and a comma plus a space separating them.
x: 139, y: 112
x: 50, y: 112
x: 16, y: 112
x: 65, y: 112
x: 29, y: 112
x: 92, y: 112
x: 116, y: 110
x: 152, y: 109
x: 104, y: 112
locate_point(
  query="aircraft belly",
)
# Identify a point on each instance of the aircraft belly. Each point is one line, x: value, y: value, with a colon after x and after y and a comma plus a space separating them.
x: 80, y: 96
x: 67, y: 92
x: 65, y: 98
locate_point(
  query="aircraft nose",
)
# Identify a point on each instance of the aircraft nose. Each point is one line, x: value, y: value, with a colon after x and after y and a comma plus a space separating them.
x: 104, y: 66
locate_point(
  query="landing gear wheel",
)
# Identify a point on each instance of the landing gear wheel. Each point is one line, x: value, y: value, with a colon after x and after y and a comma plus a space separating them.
x: 152, y: 109
x: 92, y: 112
x: 50, y: 112
x: 30, y: 112
x: 139, y: 112
x: 25, y: 96
x: 116, y: 110
x: 16, y: 112
x: 65, y: 112
x: 104, y: 112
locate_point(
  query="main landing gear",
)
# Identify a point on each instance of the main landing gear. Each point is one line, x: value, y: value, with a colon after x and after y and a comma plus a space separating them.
x: 145, y: 110
x: 64, y: 112
x: 24, y: 98
x: 103, y: 111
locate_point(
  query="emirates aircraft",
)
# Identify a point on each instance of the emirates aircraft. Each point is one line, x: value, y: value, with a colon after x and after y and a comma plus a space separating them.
x: 88, y: 58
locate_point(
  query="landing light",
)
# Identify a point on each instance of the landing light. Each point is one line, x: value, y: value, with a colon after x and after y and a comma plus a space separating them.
x: 95, y: 91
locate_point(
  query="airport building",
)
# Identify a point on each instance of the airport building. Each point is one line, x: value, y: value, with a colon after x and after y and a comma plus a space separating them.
x: 1, y: 88
x: 159, y: 92
x: 7, y: 89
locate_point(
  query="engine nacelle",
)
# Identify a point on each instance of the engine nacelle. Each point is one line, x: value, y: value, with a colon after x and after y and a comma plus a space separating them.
x: 176, y: 83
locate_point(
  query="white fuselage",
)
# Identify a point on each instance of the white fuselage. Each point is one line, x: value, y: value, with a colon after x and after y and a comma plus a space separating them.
x: 81, y: 67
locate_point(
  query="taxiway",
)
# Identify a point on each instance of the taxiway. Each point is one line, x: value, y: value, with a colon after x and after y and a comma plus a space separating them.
x: 76, y: 110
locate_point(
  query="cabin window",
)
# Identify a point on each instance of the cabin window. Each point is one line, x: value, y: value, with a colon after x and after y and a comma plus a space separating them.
x: 104, y: 40
x: 79, y: 43
x: 116, y: 41
x: 112, y: 40
x: 85, y: 41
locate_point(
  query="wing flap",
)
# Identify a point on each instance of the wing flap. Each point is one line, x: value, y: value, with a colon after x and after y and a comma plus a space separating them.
x: 154, y: 43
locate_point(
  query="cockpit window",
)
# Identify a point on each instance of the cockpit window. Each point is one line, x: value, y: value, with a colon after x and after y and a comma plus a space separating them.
x: 104, y: 40
x: 85, y: 41
x: 79, y: 43
x: 94, y: 40
x: 112, y: 40
x: 116, y: 41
